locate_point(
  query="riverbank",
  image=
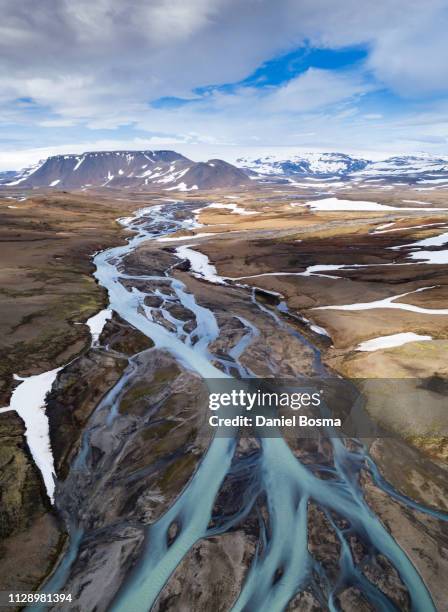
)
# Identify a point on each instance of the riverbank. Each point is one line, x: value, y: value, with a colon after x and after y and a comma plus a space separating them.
x: 47, y: 294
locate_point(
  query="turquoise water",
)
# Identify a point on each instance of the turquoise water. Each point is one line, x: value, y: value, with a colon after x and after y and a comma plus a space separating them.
x: 282, y: 565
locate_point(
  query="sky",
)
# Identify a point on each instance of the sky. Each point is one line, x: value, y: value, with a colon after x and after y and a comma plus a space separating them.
x: 221, y: 78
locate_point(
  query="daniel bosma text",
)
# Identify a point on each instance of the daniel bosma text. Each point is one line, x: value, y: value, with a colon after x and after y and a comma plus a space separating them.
x: 262, y: 421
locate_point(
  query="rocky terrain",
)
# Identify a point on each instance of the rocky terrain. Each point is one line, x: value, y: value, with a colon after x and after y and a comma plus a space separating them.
x: 47, y: 295
x: 30, y: 534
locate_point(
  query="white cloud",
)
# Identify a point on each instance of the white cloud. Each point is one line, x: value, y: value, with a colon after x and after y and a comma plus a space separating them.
x: 411, y: 60
x: 315, y: 89
x: 167, y: 47
x: 98, y: 65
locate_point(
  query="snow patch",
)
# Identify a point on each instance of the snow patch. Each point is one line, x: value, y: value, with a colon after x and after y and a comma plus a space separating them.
x: 182, y: 187
x: 389, y: 302
x: 28, y: 400
x: 332, y: 204
x: 200, y: 264
x: 384, y: 342
x: 234, y: 208
x: 96, y: 324
x: 79, y: 162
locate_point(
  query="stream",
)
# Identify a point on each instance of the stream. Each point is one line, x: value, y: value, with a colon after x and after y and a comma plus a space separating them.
x: 287, y: 484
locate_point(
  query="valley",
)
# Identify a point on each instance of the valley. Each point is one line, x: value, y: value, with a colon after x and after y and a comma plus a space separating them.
x: 224, y: 306
x: 261, y: 280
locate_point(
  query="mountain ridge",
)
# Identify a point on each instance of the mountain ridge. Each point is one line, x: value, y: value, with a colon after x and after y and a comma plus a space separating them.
x: 163, y: 169
x: 171, y: 171
x: 409, y: 168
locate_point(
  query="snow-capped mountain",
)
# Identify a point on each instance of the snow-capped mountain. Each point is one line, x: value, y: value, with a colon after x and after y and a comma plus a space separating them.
x: 7, y: 176
x: 170, y: 171
x: 409, y: 169
x: 165, y: 170
x: 303, y: 165
x: 407, y: 165
x: 13, y: 178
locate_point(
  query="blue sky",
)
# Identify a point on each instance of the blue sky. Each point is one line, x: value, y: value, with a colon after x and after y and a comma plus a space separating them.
x: 215, y: 77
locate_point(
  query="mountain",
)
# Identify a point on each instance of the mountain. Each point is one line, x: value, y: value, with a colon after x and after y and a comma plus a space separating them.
x: 7, y: 176
x: 166, y: 170
x: 12, y: 178
x: 170, y: 171
x: 320, y: 165
x: 410, y: 169
x: 411, y: 166
x: 214, y: 174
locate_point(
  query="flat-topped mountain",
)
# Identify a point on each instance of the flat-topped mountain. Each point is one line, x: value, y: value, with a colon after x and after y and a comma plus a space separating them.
x: 165, y: 170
